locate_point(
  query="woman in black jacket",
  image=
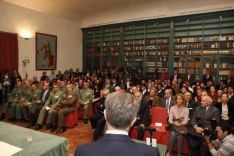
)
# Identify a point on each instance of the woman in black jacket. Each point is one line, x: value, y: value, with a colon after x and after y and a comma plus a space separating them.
x: 225, y: 109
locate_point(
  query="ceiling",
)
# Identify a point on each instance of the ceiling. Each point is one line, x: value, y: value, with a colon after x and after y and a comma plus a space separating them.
x: 77, y: 10
x: 73, y: 9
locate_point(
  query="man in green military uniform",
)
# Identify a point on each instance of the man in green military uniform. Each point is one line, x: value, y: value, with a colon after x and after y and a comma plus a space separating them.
x: 34, y: 97
x: 53, y: 100
x: 65, y: 107
x: 62, y: 86
x: 85, y: 99
x: 25, y: 100
x: 13, y: 102
x: 76, y: 89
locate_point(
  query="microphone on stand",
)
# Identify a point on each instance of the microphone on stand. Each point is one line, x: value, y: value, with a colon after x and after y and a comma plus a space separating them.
x: 151, y: 130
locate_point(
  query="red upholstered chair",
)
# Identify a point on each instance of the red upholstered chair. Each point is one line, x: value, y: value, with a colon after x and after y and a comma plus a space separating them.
x: 71, y: 119
x: 159, y: 115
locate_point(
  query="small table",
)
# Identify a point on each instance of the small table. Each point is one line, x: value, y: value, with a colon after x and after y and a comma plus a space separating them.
x: 41, y: 144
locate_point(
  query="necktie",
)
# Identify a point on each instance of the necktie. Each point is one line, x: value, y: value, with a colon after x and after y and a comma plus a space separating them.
x: 43, y: 97
x: 167, y: 103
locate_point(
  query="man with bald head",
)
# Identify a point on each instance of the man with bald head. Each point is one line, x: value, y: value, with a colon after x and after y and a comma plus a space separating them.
x: 201, y: 120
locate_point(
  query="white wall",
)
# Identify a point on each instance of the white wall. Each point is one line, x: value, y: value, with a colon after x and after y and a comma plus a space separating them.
x: 153, y: 9
x: 16, y: 19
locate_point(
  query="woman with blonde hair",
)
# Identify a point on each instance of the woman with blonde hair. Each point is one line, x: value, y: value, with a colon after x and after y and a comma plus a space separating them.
x: 178, y: 119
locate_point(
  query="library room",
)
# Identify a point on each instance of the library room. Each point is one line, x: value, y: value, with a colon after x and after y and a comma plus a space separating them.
x: 117, y: 78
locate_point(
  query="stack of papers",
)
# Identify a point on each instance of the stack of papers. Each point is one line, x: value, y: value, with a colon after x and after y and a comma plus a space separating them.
x: 7, y: 149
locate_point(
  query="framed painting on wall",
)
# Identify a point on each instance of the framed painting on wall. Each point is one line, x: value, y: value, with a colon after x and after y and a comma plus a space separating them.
x: 46, y: 51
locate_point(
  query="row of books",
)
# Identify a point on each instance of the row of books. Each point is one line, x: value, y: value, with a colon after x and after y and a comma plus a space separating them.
x: 187, y: 39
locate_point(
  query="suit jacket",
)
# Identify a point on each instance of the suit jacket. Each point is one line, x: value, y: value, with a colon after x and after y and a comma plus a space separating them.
x: 191, y: 106
x: 205, y: 79
x: 191, y: 79
x: 203, y: 118
x: 163, y: 102
x: 144, y: 113
x: 115, y: 145
x: 46, y: 96
x: 145, y: 92
x: 161, y: 93
x: 172, y: 77
x: 230, y: 110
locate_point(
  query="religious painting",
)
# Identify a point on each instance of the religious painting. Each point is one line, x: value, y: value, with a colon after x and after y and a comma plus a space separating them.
x: 46, y: 51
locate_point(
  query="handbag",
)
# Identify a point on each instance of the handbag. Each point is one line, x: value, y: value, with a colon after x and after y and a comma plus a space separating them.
x: 180, y: 129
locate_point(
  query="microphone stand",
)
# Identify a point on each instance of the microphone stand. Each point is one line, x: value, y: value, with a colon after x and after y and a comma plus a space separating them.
x: 151, y: 137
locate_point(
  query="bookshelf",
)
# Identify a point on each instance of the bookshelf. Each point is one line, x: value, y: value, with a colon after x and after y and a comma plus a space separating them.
x: 156, y: 48
x: 191, y: 44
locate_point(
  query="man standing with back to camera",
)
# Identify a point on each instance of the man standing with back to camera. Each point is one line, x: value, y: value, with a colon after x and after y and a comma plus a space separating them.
x: 120, y: 114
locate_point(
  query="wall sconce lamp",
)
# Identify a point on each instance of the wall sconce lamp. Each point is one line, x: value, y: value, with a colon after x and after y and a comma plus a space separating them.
x: 25, y: 62
x: 26, y: 35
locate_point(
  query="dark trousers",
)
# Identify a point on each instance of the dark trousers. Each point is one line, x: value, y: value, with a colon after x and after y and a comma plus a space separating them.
x: 34, y: 112
x: 140, y: 133
x: 98, y: 122
x: 5, y: 92
x: 61, y: 116
x: 173, y: 138
x: 198, y: 146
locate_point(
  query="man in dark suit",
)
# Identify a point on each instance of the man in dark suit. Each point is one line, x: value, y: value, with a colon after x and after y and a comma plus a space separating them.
x: 98, y: 121
x: 207, y: 77
x: 143, y: 116
x: 190, y: 103
x: 202, y: 120
x: 120, y: 113
x: 189, y: 77
x: 168, y: 101
x: 143, y: 90
x: 175, y: 76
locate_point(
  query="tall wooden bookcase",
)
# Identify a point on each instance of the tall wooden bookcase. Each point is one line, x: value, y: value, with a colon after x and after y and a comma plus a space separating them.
x: 195, y: 44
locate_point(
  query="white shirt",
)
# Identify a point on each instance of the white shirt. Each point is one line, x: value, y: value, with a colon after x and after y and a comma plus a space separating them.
x: 224, y: 112
x: 121, y: 132
x: 168, y: 102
